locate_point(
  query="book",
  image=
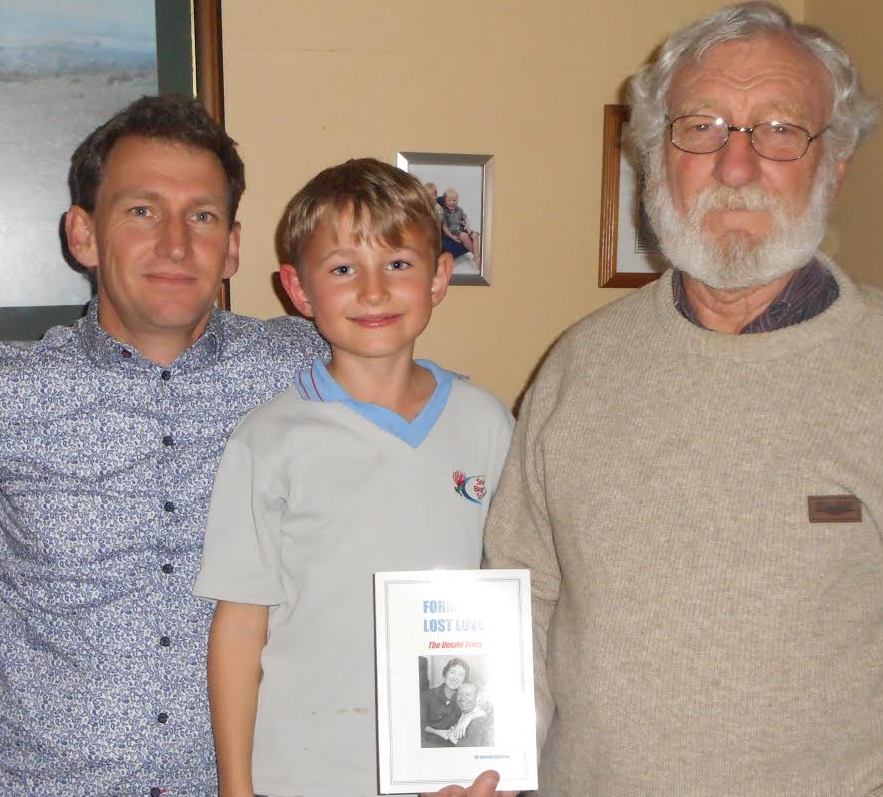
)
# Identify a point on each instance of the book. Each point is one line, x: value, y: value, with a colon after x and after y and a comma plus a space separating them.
x: 454, y: 679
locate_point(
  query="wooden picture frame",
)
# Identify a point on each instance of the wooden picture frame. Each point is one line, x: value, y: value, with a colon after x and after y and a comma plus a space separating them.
x: 628, y: 254
x: 190, y: 62
x: 208, y: 72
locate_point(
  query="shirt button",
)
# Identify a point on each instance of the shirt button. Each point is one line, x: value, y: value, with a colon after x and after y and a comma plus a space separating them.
x: 166, y: 376
x: 167, y: 568
x: 168, y: 506
x: 162, y: 717
x: 125, y: 354
x: 168, y: 440
x: 165, y: 641
x: 156, y: 791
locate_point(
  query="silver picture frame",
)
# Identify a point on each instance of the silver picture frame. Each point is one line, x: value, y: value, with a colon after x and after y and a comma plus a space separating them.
x: 472, y: 177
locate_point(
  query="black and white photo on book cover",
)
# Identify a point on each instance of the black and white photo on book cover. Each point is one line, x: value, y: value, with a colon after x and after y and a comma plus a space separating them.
x: 454, y: 679
x: 455, y: 705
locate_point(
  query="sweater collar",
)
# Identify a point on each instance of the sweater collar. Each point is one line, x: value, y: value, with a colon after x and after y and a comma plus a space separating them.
x: 845, y: 311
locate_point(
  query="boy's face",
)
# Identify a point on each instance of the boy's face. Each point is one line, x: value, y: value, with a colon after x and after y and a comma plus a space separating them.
x: 450, y: 201
x: 368, y: 299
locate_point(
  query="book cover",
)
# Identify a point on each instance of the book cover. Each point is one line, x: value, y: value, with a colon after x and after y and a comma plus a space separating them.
x: 454, y: 679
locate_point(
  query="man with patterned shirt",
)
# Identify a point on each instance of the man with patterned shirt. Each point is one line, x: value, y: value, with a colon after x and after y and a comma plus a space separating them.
x: 110, y: 432
x: 695, y: 480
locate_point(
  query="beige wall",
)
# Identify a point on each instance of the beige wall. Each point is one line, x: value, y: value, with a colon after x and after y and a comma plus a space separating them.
x: 313, y: 82
x: 856, y: 235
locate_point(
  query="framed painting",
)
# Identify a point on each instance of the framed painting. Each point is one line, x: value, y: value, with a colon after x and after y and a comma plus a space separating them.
x: 65, y: 68
x: 462, y: 187
x: 629, y: 253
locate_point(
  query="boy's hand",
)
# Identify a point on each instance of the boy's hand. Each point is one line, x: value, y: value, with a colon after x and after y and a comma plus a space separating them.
x: 482, y: 786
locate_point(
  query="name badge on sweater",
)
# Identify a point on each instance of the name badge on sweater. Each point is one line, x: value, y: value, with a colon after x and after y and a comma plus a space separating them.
x: 834, y: 509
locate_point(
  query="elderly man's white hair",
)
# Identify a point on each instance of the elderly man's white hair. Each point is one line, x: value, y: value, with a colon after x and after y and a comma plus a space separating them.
x: 853, y: 114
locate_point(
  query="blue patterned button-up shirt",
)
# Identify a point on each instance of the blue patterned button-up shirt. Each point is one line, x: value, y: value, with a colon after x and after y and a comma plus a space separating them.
x: 106, y: 468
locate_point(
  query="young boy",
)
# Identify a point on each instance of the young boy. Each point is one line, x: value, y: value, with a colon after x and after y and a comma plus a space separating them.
x: 372, y: 461
x: 432, y: 190
x: 455, y: 225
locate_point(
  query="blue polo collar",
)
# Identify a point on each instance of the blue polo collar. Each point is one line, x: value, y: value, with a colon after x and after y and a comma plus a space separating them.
x: 316, y: 384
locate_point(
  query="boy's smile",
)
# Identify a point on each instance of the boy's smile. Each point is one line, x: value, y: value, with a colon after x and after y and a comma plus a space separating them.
x: 376, y: 321
x: 368, y: 299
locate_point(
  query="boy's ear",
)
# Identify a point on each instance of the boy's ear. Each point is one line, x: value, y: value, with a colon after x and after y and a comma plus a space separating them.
x: 293, y: 286
x: 80, y: 233
x: 443, y: 270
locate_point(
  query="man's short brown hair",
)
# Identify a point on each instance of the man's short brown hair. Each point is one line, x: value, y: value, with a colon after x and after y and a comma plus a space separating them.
x: 168, y: 118
x: 384, y: 202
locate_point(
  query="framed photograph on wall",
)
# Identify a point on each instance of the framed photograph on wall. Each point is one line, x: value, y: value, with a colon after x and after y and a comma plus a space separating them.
x: 629, y: 253
x: 462, y: 188
x: 65, y: 68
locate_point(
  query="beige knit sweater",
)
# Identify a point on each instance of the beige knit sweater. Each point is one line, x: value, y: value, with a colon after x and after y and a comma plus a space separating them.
x: 695, y: 633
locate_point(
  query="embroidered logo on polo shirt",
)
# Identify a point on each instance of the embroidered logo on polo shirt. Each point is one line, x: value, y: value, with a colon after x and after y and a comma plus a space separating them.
x: 472, y: 488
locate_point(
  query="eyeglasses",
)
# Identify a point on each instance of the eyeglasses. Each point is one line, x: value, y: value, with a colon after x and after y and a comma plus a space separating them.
x: 776, y: 141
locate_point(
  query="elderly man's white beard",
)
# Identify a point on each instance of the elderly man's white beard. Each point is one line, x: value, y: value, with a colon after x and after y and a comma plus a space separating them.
x: 738, y: 260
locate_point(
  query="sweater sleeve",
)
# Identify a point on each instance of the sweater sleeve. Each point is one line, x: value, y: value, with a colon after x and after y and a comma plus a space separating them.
x: 519, y: 533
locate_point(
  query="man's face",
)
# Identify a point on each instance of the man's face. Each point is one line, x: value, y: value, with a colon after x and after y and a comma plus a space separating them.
x: 467, y: 697
x: 160, y: 239
x: 735, y: 201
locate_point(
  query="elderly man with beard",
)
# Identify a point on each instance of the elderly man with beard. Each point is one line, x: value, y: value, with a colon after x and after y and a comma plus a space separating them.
x: 696, y: 480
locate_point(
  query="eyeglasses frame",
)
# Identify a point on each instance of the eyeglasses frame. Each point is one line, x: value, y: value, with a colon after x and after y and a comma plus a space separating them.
x: 749, y: 130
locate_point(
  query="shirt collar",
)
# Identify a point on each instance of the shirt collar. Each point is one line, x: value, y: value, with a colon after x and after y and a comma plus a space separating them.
x: 809, y: 292
x: 317, y: 384
x: 108, y: 352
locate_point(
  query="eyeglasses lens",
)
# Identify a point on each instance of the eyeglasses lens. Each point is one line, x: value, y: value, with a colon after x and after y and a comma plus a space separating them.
x: 703, y: 135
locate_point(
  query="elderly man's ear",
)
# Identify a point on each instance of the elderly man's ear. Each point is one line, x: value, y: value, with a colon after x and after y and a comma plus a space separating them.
x: 841, y: 173
x: 80, y: 232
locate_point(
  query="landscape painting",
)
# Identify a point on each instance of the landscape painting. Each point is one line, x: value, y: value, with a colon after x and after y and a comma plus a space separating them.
x: 64, y: 67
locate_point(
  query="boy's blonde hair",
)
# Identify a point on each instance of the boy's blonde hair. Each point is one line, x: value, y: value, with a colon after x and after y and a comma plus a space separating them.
x: 384, y: 202
x: 452, y: 192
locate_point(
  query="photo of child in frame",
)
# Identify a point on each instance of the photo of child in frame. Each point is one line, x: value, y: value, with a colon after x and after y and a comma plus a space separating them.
x: 460, y: 186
